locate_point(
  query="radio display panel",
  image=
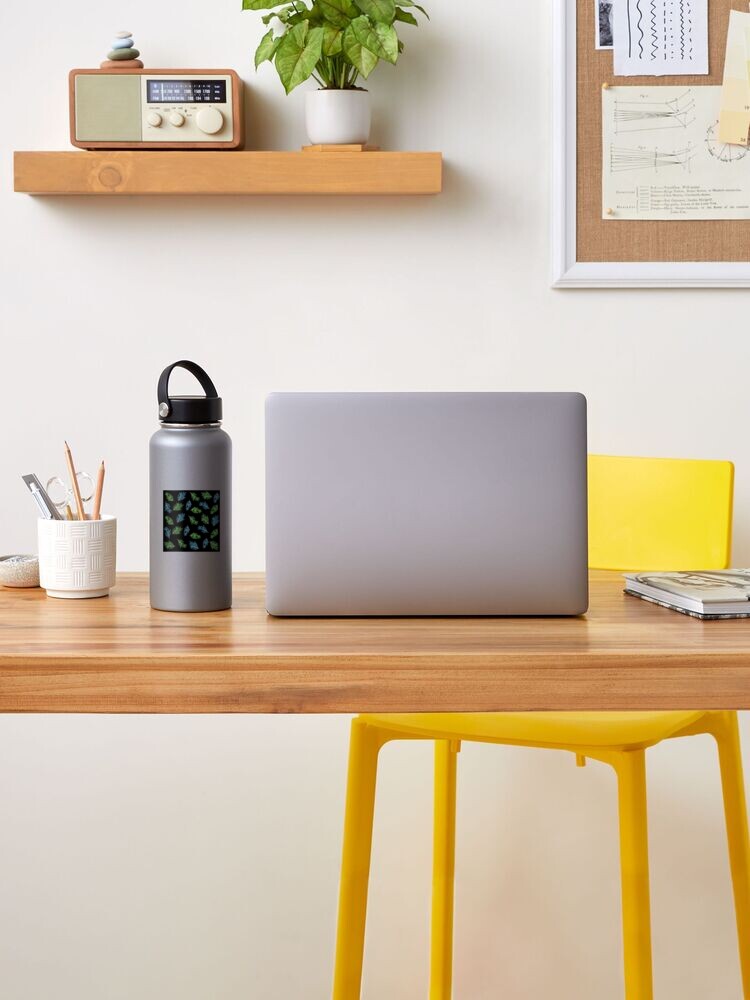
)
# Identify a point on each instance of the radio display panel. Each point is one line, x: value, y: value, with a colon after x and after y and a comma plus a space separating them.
x: 186, y: 91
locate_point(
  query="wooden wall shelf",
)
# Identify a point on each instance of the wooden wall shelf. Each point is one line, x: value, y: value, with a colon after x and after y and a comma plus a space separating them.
x: 120, y: 172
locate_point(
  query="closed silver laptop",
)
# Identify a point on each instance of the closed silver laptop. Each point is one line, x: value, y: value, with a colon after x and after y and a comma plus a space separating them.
x: 426, y: 503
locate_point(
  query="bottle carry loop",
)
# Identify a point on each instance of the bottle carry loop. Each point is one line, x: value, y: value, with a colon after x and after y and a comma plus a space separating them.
x: 188, y: 409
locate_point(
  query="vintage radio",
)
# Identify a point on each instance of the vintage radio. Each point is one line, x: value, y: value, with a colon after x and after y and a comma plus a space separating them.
x: 156, y: 109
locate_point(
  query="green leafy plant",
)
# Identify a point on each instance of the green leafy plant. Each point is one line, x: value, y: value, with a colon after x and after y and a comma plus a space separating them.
x: 333, y: 41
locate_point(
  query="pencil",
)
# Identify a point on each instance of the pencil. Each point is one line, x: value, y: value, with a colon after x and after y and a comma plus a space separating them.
x: 96, y: 513
x: 74, y: 483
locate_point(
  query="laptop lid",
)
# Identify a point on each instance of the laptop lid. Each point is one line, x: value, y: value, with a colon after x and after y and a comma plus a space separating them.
x: 426, y: 504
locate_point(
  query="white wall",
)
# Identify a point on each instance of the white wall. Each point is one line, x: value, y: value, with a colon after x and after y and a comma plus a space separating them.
x: 198, y: 857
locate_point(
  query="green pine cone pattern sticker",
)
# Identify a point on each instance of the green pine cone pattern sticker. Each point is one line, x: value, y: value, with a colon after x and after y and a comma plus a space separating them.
x: 192, y: 520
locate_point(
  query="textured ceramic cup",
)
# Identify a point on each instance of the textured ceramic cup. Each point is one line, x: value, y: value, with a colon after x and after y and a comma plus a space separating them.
x: 337, y: 117
x: 77, y: 558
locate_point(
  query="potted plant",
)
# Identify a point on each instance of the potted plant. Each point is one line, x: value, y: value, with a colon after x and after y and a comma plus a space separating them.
x: 335, y: 42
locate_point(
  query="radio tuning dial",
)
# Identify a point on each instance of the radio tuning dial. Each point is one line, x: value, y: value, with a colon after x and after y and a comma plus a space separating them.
x: 176, y: 119
x: 210, y: 120
x: 154, y: 119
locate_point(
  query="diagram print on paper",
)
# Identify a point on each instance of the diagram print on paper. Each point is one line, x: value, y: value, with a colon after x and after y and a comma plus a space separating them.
x: 648, y: 116
x: 662, y: 157
x: 724, y: 152
x: 659, y: 37
x: 649, y: 158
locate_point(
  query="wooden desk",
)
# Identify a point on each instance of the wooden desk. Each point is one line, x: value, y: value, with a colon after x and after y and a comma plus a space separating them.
x: 117, y: 655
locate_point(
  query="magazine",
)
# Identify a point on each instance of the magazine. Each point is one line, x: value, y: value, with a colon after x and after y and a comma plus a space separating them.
x: 706, y: 594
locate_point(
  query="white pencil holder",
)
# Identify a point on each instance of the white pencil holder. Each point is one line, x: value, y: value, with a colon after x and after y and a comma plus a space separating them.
x: 77, y: 558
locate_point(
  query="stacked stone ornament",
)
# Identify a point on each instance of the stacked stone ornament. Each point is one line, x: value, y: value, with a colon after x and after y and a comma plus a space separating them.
x: 122, y: 54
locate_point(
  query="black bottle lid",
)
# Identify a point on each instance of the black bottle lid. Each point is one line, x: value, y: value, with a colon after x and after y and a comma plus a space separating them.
x: 188, y: 409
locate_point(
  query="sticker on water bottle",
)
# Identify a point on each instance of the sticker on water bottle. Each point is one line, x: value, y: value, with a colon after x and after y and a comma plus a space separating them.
x: 192, y: 520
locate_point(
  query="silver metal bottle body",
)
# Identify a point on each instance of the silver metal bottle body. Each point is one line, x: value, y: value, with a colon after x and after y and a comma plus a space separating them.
x: 190, y: 542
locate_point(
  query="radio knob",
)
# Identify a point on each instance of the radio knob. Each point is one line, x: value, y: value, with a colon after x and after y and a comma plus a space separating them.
x: 210, y: 120
x: 176, y: 119
x: 154, y: 119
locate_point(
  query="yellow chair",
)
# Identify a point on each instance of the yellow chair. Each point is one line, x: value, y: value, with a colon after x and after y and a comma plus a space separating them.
x: 644, y: 513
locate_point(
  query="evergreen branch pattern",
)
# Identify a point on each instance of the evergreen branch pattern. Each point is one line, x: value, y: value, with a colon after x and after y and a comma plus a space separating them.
x: 191, y: 521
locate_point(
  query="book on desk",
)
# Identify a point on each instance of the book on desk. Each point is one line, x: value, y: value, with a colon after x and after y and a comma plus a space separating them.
x: 708, y: 595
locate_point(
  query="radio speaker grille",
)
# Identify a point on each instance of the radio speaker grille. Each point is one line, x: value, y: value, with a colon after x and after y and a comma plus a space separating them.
x: 108, y: 108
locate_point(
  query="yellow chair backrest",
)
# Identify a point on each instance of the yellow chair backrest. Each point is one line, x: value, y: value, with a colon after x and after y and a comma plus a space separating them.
x: 659, y: 513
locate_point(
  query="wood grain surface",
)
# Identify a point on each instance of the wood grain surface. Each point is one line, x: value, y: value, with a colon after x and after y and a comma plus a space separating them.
x: 122, y: 172
x: 116, y: 654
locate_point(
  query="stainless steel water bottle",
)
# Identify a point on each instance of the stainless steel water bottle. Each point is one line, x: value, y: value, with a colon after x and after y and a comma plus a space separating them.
x: 190, y: 500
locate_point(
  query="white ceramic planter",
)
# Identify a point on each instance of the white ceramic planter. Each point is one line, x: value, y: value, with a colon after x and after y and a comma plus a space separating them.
x: 334, y: 117
x: 77, y: 558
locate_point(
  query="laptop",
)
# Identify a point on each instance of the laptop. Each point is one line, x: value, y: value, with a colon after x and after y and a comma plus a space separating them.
x: 426, y: 503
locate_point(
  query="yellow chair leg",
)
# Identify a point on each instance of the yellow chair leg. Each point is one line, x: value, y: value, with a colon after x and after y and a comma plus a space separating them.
x: 443, y: 870
x: 735, y: 809
x: 364, y: 746
x: 636, y: 908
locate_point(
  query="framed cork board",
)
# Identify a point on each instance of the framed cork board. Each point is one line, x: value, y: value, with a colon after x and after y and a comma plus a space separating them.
x: 590, y: 249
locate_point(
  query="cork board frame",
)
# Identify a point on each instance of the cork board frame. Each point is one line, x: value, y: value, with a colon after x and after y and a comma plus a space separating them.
x: 586, y: 252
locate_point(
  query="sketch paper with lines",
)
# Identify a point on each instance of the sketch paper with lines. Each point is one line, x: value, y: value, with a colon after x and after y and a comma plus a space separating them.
x: 734, y: 120
x: 660, y: 37
x: 662, y: 157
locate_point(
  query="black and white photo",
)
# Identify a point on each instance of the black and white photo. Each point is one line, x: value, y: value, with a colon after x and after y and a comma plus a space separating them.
x: 603, y: 14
